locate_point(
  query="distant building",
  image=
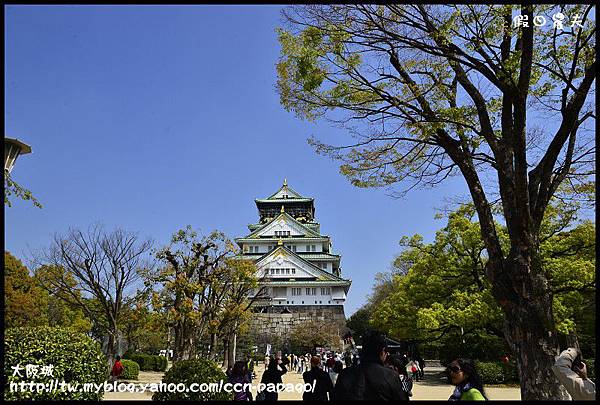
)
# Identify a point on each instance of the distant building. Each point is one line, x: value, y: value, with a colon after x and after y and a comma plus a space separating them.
x: 296, y: 264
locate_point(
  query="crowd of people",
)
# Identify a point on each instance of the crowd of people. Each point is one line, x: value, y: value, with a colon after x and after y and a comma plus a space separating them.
x: 380, y: 376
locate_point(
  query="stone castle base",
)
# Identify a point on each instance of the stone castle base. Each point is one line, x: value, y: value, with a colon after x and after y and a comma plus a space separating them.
x: 274, y: 324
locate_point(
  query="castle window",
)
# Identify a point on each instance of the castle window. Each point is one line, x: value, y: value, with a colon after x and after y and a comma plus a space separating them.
x: 314, y: 291
x: 307, y: 291
x: 293, y: 271
x: 287, y: 271
x: 272, y: 271
x: 313, y: 248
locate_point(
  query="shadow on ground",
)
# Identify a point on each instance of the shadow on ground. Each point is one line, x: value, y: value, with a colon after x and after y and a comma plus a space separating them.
x: 434, y: 378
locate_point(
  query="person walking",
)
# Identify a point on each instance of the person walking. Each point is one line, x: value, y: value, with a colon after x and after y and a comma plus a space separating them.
x: 572, y: 374
x: 414, y: 368
x: 335, y: 371
x: 330, y: 363
x: 369, y: 379
x: 323, y: 388
x: 272, y: 375
x: 396, y: 363
x: 239, y: 375
x: 465, y: 377
x: 421, y: 364
x: 117, y: 369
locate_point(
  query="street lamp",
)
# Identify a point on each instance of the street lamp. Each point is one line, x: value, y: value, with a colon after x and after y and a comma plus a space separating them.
x: 12, y: 149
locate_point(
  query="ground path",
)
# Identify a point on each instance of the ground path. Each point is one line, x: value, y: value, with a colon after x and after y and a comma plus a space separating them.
x: 433, y: 387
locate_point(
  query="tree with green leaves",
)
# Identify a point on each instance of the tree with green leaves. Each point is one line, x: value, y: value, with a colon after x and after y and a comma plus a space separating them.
x: 441, y: 294
x: 12, y: 188
x: 202, y: 289
x: 235, y: 313
x: 432, y: 91
x: 25, y: 302
x: 28, y: 303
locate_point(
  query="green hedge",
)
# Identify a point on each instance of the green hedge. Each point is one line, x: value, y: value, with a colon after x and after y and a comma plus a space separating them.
x: 497, y: 372
x: 148, y: 362
x: 131, y: 370
x: 76, y: 359
x: 194, y: 371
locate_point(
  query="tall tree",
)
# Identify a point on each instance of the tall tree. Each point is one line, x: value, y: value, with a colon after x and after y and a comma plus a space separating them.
x: 103, y: 267
x: 243, y: 290
x: 193, y: 267
x: 204, y: 290
x: 444, y: 293
x: 25, y: 302
x: 434, y: 91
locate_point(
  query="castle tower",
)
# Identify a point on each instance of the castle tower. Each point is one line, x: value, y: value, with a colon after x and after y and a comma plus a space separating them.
x: 300, y: 273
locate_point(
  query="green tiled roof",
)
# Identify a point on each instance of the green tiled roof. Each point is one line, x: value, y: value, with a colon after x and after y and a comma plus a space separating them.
x: 285, y: 240
x: 303, y: 283
x: 309, y: 232
x: 283, y: 200
x: 318, y: 256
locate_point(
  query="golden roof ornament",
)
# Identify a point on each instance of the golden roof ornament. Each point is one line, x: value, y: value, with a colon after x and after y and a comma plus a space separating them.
x: 280, y: 242
x: 285, y: 182
x: 282, y: 209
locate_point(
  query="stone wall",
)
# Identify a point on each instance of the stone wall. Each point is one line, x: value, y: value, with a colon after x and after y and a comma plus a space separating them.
x: 274, y: 324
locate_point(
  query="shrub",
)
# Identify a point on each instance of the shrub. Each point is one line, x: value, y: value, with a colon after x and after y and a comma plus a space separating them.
x: 511, y: 373
x: 76, y: 359
x: 491, y: 372
x: 148, y: 362
x: 131, y: 370
x: 161, y: 363
x: 193, y: 371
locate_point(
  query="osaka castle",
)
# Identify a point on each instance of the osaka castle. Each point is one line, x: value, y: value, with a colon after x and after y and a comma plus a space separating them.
x: 300, y: 275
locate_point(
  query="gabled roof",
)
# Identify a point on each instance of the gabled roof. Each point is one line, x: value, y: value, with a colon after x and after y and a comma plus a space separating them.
x: 308, y: 266
x: 284, y: 190
x: 286, y: 218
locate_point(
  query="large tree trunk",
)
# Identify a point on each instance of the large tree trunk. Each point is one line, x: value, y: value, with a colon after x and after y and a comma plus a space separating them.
x: 213, y: 346
x: 233, y: 348
x: 110, y: 350
x: 225, y: 352
x: 184, y: 342
x: 529, y: 326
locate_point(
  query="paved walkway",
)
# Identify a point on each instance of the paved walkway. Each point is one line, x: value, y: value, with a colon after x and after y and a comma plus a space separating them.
x: 433, y: 387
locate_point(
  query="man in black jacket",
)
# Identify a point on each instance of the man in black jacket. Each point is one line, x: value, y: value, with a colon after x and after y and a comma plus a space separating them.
x: 323, y: 386
x: 370, y: 380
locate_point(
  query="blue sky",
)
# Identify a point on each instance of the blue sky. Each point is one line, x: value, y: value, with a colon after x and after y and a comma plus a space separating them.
x: 152, y: 118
